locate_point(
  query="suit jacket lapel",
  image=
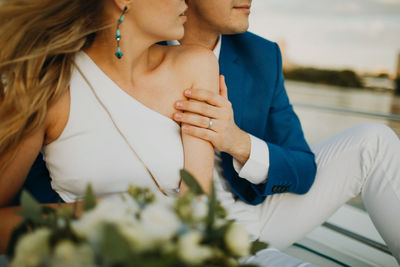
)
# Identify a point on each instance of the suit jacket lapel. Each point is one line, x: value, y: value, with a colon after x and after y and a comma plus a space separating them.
x: 237, y: 78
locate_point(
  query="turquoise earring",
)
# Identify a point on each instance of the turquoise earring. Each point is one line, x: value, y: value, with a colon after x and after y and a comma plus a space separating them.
x: 119, y: 54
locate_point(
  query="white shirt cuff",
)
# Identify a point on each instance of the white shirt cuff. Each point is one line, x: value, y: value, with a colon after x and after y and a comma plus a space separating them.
x: 255, y: 170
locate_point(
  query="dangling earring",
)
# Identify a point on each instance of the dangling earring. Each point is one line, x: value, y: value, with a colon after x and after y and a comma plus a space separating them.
x: 119, y: 54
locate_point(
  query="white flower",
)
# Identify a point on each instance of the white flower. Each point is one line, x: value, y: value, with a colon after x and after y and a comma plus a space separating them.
x: 238, y: 240
x: 68, y: 254
x: 219, y: 222
x: 159, y: 221
x: 113, y: 210
x: 190, y: 250
x: 136, y: 236
x: 199, y: 208
x: 32, y: 248
x: 65, y: 250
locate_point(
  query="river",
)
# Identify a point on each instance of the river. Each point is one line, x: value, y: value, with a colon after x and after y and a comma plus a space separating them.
x: 325, y: 110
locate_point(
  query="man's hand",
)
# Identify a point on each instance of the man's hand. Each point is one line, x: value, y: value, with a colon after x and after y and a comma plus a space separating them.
x: 203, y: 106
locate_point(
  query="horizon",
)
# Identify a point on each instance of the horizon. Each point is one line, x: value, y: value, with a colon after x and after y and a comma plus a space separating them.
x: 362, y: 35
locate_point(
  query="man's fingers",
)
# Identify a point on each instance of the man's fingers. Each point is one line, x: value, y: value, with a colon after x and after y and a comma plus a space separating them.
x: 194, y: 119
x: 205, y: 96
x: 197, y: 107
x: 223, y: 89
x: 202, y: 133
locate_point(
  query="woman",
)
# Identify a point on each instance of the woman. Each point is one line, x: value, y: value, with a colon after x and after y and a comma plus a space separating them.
x: 86, y: 81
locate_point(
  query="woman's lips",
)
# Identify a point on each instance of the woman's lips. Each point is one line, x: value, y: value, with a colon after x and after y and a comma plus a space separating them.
x: 183, y: 17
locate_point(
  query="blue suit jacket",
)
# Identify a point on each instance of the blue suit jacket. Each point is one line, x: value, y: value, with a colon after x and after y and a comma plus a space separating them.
x: 253, y: 71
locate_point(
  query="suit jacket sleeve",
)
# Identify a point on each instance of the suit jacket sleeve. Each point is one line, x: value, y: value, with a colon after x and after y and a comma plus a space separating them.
x: 292, y: 167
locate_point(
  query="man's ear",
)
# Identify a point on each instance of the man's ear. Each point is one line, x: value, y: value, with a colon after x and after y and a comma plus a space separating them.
x: 121, y: 4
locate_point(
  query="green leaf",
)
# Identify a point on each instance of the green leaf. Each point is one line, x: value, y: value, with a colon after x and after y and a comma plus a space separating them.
x: 212, y: 208
x: 31, y: 209
x: 142, y: 195
x: 257, y: 246
x: 90, y: 200
x: 216, y: 236
x: 21, y: 230
x: 114, y: 247
x: 191, y: 182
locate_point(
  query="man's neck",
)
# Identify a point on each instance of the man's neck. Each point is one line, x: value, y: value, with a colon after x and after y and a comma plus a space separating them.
x: 197, y: 33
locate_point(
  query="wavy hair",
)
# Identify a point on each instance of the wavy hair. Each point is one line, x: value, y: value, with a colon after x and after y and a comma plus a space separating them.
x: 38, y: 41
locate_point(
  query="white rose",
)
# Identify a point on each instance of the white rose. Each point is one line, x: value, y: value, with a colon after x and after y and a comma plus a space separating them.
x: 113, y: 210
x: 199, y: 208
x: 68, y: 254
x: 32, y: 248
x: 136, y: 236
x: 65, y: 251
x: 159, y: 221
x: 238, y: 240
x: 190, y: 250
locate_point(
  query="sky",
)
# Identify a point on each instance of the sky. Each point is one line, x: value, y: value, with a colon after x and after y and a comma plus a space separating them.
x: 363, y: 35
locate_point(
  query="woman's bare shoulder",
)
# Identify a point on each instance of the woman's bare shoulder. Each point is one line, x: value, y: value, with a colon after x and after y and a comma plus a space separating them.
x: 192, y: 55
x: 195, y: 62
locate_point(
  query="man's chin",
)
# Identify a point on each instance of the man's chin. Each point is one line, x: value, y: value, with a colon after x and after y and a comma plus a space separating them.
x: 236, y: 30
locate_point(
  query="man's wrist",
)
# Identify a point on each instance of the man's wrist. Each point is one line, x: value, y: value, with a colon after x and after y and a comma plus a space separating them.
x: 256, y: 168
x: 242, y: 147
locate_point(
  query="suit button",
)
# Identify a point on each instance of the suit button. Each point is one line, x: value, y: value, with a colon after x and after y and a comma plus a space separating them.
x: 275, y: 189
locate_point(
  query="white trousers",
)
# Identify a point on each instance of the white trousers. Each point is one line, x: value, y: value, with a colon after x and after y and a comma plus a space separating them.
x: 363, y: 159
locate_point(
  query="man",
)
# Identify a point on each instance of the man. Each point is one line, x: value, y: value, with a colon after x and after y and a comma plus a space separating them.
x: 264, y: 148
x: 265, y: 160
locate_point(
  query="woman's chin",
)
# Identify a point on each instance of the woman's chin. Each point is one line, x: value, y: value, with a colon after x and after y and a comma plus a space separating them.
x: 175, y: 34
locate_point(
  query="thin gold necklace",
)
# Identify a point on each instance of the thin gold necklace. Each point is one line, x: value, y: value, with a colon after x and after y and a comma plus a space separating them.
x: 118, y: 129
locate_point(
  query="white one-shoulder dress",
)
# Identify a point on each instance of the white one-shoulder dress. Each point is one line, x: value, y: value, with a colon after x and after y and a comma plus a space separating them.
x: 91, y: 149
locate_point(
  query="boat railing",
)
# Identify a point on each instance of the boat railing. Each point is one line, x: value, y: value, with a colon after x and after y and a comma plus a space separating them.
x: 392, y: 117
x: 366, y: 241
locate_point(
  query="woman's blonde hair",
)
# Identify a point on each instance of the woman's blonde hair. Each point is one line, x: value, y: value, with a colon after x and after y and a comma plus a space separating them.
x: 38, y: 41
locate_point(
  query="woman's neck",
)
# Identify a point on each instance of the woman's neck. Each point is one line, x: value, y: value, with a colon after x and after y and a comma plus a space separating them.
x: 137, y: 59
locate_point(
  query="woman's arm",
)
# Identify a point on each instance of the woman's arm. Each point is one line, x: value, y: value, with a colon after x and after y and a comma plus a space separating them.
x: 9, y: 220
x: 13, y: 177
x: 202, y: 66
x: 23, y: 156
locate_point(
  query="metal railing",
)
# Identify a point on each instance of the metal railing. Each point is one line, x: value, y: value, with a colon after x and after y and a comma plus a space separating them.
x: 360, y: 238
x: 393, y: 117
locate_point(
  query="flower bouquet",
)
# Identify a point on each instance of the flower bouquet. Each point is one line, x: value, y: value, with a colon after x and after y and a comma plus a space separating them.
x: 131, y: 229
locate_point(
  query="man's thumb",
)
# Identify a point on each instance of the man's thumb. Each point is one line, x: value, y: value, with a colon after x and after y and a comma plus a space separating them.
x: 223, y: 90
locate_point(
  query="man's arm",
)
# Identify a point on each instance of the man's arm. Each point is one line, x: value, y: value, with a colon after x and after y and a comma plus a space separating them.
x: 282, y: 161
x: 291, y: 162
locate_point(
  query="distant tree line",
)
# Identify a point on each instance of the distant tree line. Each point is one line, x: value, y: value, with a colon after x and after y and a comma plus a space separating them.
x: 344, y: 78
x: 397, y: 84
